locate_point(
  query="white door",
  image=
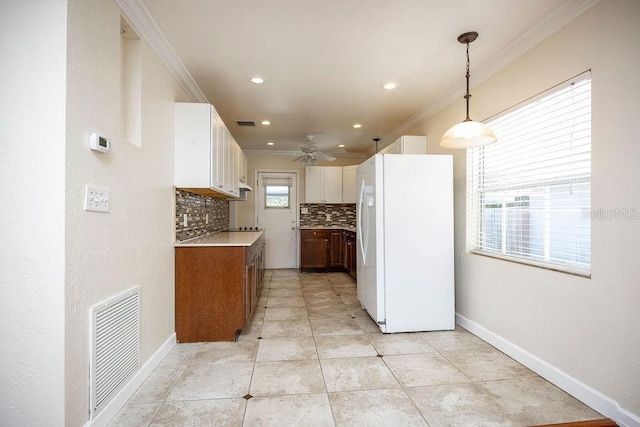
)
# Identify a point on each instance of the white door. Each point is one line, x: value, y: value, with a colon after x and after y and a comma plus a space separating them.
x: 276, y: 210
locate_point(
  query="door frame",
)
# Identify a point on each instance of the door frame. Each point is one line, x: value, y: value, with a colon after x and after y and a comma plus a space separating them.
x: 297, y: 207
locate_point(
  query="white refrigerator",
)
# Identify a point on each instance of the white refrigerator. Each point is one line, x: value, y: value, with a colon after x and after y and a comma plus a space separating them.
x: 405, y: 241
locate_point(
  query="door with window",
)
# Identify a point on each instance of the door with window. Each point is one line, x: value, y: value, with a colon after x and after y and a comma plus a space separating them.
x: 276, y: 211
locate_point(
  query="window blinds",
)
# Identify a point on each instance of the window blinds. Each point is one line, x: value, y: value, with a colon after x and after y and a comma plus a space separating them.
x: 529, y: 195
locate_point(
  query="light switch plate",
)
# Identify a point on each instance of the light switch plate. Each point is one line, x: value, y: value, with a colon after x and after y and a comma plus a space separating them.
x: 96, y: 199
x: 304, y: 211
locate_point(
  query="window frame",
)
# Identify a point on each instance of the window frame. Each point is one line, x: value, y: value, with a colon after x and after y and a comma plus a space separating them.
x: 477, y: 203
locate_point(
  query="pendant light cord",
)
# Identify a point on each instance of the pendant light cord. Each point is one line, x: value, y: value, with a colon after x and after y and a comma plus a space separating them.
x: 468, y: 95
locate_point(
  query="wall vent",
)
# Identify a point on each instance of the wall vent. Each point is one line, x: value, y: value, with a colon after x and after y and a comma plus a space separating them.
x: 245, y: 122
x: 115, y: 346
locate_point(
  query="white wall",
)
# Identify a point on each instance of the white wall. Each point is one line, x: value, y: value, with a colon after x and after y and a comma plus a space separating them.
x: 587, y: 328
x: 32, y: 144
x: 107, y: 253
x: 245, y: 211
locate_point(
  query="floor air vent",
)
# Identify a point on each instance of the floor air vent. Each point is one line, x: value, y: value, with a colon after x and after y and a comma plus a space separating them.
x: 115, y: 346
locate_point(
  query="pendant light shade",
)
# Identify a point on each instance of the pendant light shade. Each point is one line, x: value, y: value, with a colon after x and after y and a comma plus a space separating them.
x: 469, y: 133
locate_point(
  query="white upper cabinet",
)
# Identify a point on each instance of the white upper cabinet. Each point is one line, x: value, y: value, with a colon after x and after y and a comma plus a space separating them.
x: 349, y: 184
x: 205, y: 152
x: 407, y: 144
x: 323, y: 184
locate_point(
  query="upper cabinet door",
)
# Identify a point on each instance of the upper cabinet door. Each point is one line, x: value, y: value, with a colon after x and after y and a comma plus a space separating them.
x: 314, y: 184
x: 333, y: 184
x: 349, y: 184
x: 193, y: 139
x: 323, y: 184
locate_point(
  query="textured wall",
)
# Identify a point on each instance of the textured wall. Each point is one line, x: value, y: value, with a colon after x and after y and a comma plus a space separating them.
x: 32, y: 265
x: 343, y: 214
x: 197, y: 207
x: 133, y: 243
x: 587, y: 328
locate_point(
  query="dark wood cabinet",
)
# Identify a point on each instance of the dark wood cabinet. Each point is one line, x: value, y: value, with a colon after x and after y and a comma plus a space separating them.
x: 314, y: 248
x: 350, y: 253
x: 328, y: 250
x: 217, y: 288
x: 336, y: 243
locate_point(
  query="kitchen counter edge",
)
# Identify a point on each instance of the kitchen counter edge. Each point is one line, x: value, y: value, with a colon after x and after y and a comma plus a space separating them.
x: 222, y: 238
x: 312, y: 227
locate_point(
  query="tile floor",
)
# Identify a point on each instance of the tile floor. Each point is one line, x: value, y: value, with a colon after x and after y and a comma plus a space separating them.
x: 312, y: 357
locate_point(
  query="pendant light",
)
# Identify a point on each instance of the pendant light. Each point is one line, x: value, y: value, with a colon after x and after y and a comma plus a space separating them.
x: 468, y: 134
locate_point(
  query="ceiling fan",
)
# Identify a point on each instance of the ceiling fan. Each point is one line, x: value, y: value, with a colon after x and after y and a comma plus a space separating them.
x: 310, y: 154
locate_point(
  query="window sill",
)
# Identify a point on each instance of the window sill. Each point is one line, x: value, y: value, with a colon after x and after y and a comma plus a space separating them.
x: 532, y: 263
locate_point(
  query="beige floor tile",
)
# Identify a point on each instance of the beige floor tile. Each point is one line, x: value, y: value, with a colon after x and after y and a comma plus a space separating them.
x: 285, y: 302
x: 285, y: 272
x: 211, y: 352
x: 536, y: 401
x: 271, y: 349
x: 367, y: 325
x: 335, y: 327
x: 390, y: 408
x: 328, y: 312
x: 254, y: 330
x: 332, y: 347
x: 489, y: 364
x: 287, y: 377
x: 458, y: 339
x: 216, y: 412
x: 286, y: 313
x: 389, y: 344
x: 158, y: 385
x: 213, y: 381
x: 286, y: 328
x: 294, y: 410
x: 349, y: 299
x: 458, y: 405
x: 413, y: 370
x: 358, y: 373
x: 135, y: 415
x: 284, y: 284
x: 285, y: 292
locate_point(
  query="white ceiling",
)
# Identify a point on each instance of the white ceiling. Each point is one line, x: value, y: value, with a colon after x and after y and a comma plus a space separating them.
x: 324, y: 61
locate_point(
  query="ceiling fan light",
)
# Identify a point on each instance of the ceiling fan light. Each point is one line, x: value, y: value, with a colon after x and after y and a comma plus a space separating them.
x: 468, y: 134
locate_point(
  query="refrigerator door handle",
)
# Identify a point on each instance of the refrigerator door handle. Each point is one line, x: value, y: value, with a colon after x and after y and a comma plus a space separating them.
x: 363, y: 230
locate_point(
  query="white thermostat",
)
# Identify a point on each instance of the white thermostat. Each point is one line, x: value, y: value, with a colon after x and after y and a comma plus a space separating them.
x: 99, y: 143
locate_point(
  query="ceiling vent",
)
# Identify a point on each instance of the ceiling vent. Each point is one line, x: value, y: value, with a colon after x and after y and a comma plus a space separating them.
x: 245, y: 123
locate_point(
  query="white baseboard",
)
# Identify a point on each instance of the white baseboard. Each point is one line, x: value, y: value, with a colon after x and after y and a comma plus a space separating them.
x: 120, y: 399
x: 581, y: 391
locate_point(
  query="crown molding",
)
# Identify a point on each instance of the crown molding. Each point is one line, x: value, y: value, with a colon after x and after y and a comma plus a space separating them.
x: 551, y: 23
x: 143, y: 24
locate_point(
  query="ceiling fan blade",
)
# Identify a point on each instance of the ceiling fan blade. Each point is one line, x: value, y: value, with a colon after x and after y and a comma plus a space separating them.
x: 327, y: 157
x: 299, y: 159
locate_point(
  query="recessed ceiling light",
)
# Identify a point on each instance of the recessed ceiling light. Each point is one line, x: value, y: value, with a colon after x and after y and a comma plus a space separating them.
x: 357, y: 126
x: 266, y: 122
x: 256, y: 79
x: 340, y: 145
x: 389, y: 85
x: 270, y: 143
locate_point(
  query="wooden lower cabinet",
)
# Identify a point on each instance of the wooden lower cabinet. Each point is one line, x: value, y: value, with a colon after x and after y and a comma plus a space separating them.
x: 217, y: 288
x: 350, y: 253
x: 314, y: 248
x: 336, y: 244
x: 328, y: 250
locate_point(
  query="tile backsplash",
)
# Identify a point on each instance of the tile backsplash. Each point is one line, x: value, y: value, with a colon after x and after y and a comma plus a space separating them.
x: 197, y: 207
x: 340, y: 214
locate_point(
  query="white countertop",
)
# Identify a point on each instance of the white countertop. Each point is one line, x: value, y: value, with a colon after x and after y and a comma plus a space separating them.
x: 223, y: 238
